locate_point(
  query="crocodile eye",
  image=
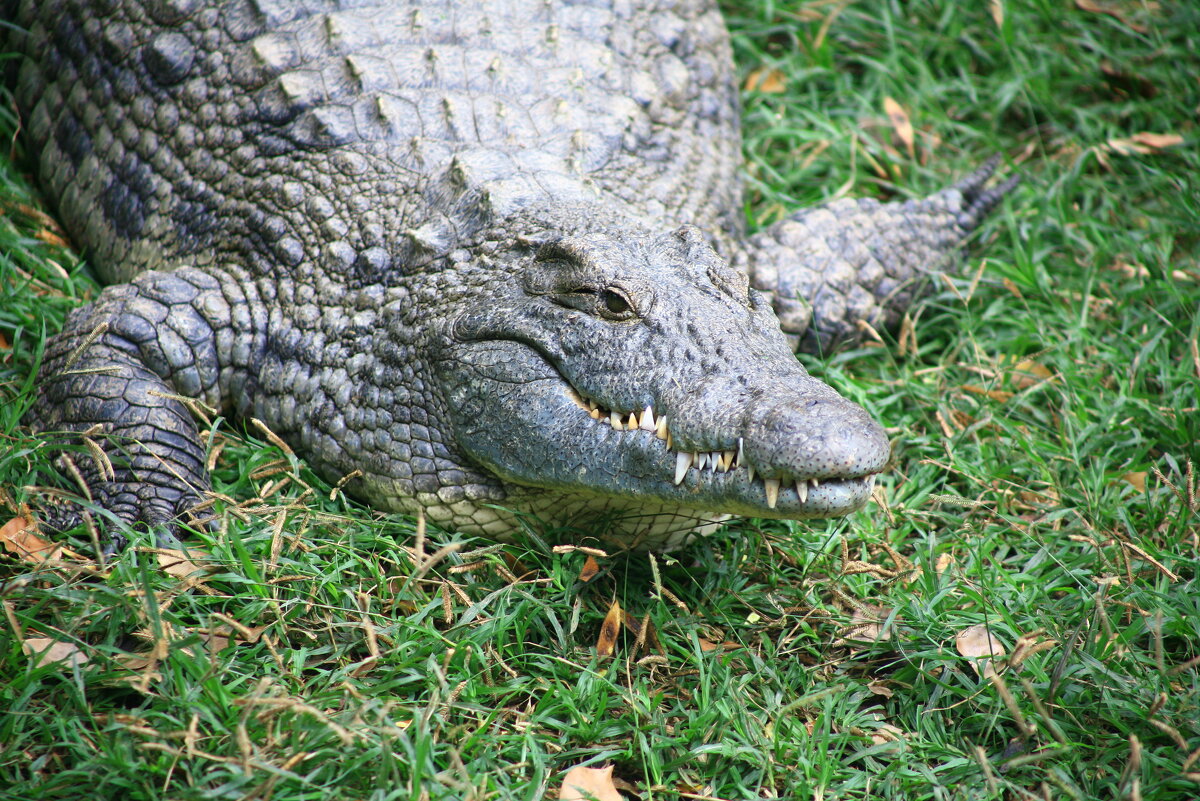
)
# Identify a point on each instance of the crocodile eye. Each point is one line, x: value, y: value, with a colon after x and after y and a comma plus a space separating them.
x: 614, y: 304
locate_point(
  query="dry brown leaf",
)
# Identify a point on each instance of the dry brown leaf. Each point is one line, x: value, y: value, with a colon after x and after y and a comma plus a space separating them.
x: 1157, y: 141
x: 218, y: 638
x: 3, y: 341
x: 997, y: 395
x: 177, y: 564
x: 1096, y: 8
x: 766, y: 79
x: 996, y: 8
x: 1143, y: 143
x: 1027, y: 373
x: 977, y: 643
x: 709, y: 645
x: 18, y: 538
x: 46, y: 651
x: 606, y: 643
x: 880, y: 688
x: 589, y: 784
x: 866, y: 626
x: 944, y: 562
x: 901, y: 124
x: 590, y: 569
x: 644, y: 631
x: 887, y: 733
x: 1136, y: 479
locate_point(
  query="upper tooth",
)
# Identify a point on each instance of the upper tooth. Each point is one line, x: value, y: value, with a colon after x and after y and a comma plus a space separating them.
x: 714, y: 461
x: 802, y: 490
x: 772, y: 486
x: 682, y: 462
x: 727, y: 458
x: 701, y: 460
x: 660, y: 427
x: 648, y: 423
x: 814, y: 482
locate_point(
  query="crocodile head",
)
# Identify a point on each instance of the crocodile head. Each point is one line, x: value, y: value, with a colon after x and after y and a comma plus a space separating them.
x: 639, y: 377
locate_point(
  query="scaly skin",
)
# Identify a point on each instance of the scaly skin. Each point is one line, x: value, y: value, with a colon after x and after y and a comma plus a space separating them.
x: 450, y: 250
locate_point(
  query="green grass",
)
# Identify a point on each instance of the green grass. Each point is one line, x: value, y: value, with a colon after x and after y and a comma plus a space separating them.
x: 1014, y: 501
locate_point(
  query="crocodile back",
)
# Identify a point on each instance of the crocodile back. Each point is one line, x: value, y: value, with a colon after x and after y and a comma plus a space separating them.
x: 362, y: 140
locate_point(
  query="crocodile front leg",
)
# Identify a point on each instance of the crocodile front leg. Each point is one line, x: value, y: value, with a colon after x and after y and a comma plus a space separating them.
x: 827, y: 268
x: 146, y: 347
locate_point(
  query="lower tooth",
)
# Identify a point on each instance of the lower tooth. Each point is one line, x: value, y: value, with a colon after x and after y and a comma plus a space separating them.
x: 772, y: 488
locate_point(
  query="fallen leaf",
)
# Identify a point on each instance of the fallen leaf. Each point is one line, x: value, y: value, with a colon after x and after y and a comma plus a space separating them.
x: 606, y: 643
x: 589, y: 784
x: 1156, y: 140
x: 944, y: 562
x: 46, y: 651
x: 1096, y: 8
x: 900, y: 123
x: 977, y: 643
x: 177, y: 564
x: 218, y: 638
x: 997, y: 395
x: 880, y: 688
x: 1136, y: 479
x: 709, y: 645
x: 866, y: 626
x: 590, y: 569
x: 643, y: 630
x: 996, y: 8
x: 1026, y: 373
x: 1127, y: 82
x: 18, y: 538
x: 1143, y: 143
x: 887, y: 733
x: 766, y: 79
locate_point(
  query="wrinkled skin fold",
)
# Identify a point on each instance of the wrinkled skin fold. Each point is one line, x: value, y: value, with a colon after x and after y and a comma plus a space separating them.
x: 488, y: 261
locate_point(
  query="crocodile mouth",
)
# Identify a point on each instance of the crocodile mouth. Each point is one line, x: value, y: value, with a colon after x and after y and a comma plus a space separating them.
x: 732, y: 459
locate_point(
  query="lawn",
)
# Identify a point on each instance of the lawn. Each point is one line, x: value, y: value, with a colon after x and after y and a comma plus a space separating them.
x: 1044, y: 406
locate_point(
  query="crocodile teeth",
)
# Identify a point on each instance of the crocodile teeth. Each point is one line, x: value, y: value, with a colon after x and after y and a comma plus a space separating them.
x: 772, y: 488
x: 814, y: 483
x: 595, y: 414
x: 727, y: 460
x: 750, y: 471
x: 660, y: 427
x: 802, y: 490
x: 682, y: 462
x: 614, y: 420
x: 632, y: 423
x: 648, y: 423
x: 579, y: 401
x: 701, y: 461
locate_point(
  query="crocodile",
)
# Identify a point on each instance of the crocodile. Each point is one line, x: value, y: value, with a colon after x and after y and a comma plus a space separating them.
x: 483, y: 262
